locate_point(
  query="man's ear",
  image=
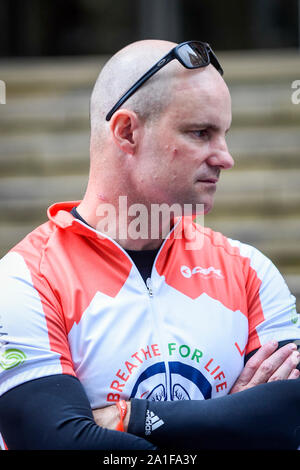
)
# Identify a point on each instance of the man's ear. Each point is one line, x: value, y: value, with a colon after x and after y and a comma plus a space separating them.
x: 125, y: 127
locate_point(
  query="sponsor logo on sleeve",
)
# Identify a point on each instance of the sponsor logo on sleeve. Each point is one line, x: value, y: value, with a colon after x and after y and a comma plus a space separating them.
x: 12, y: 358
x: 203, y: 272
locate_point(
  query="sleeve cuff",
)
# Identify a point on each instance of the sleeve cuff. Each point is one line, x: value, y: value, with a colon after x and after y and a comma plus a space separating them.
x: 137, y: 418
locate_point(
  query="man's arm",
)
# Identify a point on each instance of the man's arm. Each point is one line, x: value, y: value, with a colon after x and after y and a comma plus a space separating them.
x: 265, y: 414
x: 53, y: 413
x: 263, y: 417
x: 213, y: 418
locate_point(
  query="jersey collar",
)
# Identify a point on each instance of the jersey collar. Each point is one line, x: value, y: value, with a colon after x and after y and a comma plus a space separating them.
x: 60, y: 214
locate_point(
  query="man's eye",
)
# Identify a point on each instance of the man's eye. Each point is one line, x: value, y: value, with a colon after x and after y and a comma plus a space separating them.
x: 201, y: 133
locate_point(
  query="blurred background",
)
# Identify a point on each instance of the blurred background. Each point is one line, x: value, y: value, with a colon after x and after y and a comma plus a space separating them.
x: 50, y: 55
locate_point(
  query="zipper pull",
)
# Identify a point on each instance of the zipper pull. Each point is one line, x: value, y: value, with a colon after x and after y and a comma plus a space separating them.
x: 149, y: 287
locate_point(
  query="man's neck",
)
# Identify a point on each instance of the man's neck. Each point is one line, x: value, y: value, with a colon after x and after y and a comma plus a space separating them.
x: 131, y: 233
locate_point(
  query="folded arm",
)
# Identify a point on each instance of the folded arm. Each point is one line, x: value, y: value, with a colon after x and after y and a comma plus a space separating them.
x: 264, y: 414
x: 54, y: 413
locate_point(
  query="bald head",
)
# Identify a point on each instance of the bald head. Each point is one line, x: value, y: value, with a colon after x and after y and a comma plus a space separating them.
x: 122, y: 71
x: 148, y: 102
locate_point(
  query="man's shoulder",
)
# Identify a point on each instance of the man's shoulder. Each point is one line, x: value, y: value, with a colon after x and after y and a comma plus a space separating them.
x: 217, y: 241
x: 30, y: 249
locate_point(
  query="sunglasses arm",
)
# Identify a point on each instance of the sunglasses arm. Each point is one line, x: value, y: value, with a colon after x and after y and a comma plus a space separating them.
x: 155, y: 68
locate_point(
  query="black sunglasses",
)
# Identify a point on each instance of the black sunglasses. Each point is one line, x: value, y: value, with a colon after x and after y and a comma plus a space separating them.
x: 191, y: 54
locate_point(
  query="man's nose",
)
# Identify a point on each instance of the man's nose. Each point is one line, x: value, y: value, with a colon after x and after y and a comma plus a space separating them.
x: 221, y: 157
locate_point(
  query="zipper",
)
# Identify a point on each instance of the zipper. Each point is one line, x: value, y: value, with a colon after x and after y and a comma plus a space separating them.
x: 149, y: 286
x: 159, y: 331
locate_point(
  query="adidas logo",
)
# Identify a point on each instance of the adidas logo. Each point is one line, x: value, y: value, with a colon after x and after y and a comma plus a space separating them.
x: 152, y: 422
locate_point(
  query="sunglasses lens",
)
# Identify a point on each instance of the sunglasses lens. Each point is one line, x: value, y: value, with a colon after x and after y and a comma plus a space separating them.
x: 193, y: 55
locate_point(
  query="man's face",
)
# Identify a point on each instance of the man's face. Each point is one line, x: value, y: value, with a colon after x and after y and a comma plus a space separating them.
x: 184, y: 151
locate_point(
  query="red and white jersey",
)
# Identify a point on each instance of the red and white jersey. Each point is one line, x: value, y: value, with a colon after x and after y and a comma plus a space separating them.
x: 73, y: 302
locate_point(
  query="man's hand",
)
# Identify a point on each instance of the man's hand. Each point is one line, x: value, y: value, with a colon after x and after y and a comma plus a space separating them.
x: 269, y: 364
x: 109, y: 417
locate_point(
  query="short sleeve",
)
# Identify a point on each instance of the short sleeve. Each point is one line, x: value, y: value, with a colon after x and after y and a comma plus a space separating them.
x: 33, y: 340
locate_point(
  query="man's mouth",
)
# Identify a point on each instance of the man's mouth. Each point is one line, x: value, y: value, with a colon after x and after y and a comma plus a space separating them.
x: 208, y: 180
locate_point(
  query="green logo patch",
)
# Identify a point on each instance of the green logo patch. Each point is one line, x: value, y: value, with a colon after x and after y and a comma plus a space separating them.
x: 12, y: 358
x: 294, y: 316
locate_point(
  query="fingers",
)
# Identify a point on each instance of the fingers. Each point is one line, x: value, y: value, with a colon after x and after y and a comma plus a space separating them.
x: 256, y: 360
x: 295, y: 374
x: 278, y: 366
x: 269, y: 364
x: 288, y: 369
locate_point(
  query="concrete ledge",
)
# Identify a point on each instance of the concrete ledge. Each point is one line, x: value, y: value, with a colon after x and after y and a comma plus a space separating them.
x: 66, y: 72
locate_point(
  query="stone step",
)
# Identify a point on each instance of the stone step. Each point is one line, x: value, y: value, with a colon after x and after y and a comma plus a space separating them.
x: 264, y: 66
x: 254, y: 230
x: 44, y: 153
x: 258, y: 192
x: 60, y: 73
x: 36, y: 75
x: 265, y: 159
x: 265, y: 105
x: 36, y: 191
x: 264, y: 139
x: 265, y: 192
x: 47, y: 113
x: 263, y: 96
x: 278, y: 183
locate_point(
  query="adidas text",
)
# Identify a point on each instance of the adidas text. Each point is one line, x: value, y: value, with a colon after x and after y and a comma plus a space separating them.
x: 152, y: 422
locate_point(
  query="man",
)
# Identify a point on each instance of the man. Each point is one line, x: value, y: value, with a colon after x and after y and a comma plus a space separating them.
x: 99, y: 306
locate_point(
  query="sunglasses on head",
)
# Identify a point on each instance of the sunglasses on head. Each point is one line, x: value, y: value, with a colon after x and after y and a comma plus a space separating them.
x: 191, y: 54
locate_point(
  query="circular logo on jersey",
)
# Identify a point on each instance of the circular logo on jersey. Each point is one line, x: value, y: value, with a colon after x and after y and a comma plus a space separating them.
x: 179, y: 382
x: 12, y: 358
x: 186, y: 271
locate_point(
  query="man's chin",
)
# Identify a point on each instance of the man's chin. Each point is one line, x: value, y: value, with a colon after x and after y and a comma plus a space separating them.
x: 204, y: 208
x: 192, y: 208
x: 207, y: 208
x: 199, y: 209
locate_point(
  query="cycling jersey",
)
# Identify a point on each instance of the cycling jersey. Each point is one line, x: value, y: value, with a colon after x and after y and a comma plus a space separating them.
x: 74, y: 303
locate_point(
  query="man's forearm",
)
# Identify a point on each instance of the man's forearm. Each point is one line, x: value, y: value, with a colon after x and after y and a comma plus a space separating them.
x: 54, y: 413
x: 263, y: 417
x: 225, y: 421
